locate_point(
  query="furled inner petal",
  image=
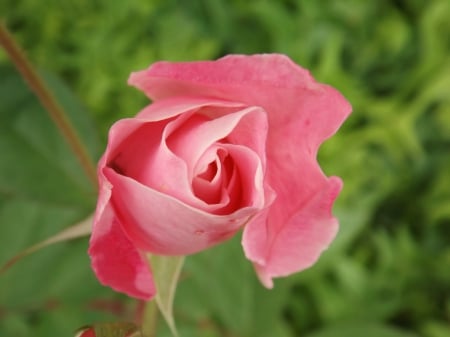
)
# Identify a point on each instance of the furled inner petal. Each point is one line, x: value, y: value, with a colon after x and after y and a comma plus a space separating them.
x: 191, y: 139
x: 189, y: 158
x: 208, y: 184
x: 238, y: 180
x: 249, y: 172
x: 222, y: 192
x: 210, y: 174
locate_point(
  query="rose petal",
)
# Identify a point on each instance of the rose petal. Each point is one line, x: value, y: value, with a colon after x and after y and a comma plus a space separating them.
x: 115, y: 260
x: 152, y: 226
x: 250, y: 173
x: 214, y: 191
x: 174, y: 106
x: 298, y: 244
x: 247, y: 127
x: 161, y: 112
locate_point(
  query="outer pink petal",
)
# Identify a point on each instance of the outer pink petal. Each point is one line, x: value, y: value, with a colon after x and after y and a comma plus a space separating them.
x: 302, y: 114
x: 298, y: 244
x: 115, y: 260
x: 166, y: 109
x: 152, y: 226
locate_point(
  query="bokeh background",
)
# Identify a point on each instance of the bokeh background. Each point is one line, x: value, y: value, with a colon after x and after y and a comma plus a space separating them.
x: 388, y: 272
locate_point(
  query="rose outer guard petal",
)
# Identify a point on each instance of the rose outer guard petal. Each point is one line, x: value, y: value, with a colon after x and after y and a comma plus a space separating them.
x: 300, y: 241
x: 115, y: 260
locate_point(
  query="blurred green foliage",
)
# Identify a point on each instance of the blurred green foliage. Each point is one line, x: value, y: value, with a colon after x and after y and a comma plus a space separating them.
x: 388, y: 272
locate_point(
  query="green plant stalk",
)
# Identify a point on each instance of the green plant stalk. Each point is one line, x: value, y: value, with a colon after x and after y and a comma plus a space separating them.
x: 47, y: 99
x: 149, y: 319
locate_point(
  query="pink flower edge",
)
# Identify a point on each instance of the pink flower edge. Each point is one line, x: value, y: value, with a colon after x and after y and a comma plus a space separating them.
x: 115, y: 260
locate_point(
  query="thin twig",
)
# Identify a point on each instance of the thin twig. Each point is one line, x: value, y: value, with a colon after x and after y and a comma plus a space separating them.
x: 54, y: 109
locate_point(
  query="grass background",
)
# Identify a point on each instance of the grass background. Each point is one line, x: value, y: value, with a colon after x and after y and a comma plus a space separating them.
x: 388, y: 272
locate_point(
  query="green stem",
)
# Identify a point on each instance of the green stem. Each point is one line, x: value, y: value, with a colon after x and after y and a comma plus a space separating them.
x: 150, y: 319
x: 49, y: 102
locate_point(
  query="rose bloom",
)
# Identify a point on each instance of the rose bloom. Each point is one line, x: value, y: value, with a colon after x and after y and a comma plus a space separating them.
x: 225, y: 145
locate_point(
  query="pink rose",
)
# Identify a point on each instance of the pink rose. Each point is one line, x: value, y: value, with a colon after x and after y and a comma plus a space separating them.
x: 225, y: 145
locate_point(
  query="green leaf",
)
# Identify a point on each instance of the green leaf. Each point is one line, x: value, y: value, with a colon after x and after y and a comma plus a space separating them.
x: 42, y: 192
x: 36, y: 163
x: 166, y: 272
x: 78, y: 230
x: 219, y: 292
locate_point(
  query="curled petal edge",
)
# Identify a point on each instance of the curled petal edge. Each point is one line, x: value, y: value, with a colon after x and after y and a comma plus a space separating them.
x: 115, y: 260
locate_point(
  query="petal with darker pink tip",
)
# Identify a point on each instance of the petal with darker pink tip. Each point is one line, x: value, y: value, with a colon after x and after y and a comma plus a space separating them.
x: 115, y: 261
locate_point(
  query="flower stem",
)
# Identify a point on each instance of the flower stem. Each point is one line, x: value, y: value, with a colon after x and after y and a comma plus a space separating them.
x: 54, y: 109
x: 150, y: 319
